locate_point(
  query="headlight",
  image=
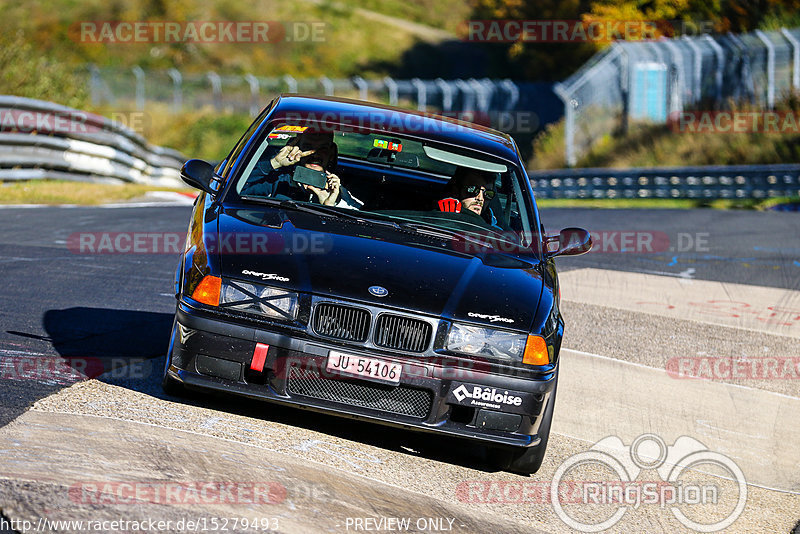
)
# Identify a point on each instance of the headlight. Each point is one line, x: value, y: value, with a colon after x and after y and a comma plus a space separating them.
x: 486, y: 342
x: 260, y: 300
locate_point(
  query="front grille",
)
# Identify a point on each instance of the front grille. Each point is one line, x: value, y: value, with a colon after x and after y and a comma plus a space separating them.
x: 341, y: 322
x: 402, y: 333
x: 394, y: 399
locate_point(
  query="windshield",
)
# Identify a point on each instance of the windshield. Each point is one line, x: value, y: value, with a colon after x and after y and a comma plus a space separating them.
x: 416, y: 184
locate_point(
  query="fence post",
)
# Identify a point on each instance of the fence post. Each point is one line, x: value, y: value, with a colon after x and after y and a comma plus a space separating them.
x: 720, y: 53
x: 770, y: 67
x: 468, y: 102
x: 697, y: 71
x: 746, y: 75
x: 94, y: 84
x: 291, y: 83
x: 624, y: 85
x: 491, y: 88
x: 795, y: 44
x: 676, y: 77
x: 361, y: 84
x: 482, y: 95
x: 569, y: 123
x: 138, y: 73
x: 327, y: 85
x: 447, y: 94
x: 513, y: 94
x: 216, y: 88
x: 422, y: 95
x: 391, y: 86
x: 254, y: 93
x: 177, y: 93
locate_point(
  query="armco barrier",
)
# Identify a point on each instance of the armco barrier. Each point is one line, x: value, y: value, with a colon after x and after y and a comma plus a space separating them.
x: 103, y: 151
x: 713, y: 182
x: 45, y: 140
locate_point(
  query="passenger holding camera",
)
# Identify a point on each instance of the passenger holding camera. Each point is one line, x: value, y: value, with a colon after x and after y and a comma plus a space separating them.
x: 313, y: 151
x: 277, y: 178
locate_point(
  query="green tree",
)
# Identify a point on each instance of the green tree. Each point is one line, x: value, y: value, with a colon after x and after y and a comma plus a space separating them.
x: 556, y: 61
x: 24, y: 71
x: 536, y: 60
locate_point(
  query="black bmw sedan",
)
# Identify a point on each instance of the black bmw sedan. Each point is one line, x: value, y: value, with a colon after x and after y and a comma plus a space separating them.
x: 375, y: 263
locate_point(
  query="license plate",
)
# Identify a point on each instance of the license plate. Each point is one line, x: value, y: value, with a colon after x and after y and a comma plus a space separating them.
x: 371, y: 368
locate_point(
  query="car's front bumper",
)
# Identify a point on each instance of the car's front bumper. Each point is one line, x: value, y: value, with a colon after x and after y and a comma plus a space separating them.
x: 210, y: 353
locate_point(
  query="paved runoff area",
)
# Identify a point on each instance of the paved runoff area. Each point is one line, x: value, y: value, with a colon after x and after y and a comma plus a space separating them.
x: 758, y: 309
x: 677, y: 411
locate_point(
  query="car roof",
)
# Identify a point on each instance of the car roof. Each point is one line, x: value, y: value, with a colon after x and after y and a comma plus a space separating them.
x: 375, y: 117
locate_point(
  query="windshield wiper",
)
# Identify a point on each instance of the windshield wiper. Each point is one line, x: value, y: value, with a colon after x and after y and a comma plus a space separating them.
x: 308, y: 208
x: 431, y: 230
x: 444, y: 232
x: 318, y: 209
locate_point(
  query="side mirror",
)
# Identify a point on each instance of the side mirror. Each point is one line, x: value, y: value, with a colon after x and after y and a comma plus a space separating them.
x: 571, y: 242
x: 198, y: 174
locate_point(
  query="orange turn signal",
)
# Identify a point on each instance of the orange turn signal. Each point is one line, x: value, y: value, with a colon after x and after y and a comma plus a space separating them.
x: 208, y: 290
x: 536, y: 351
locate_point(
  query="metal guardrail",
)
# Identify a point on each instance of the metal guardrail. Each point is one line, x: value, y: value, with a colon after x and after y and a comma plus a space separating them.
x: 713, y: 182
x: 84, y: 147
x: 41, y: 139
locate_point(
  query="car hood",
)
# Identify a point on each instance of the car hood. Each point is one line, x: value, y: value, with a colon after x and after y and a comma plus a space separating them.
x: 344, y: 259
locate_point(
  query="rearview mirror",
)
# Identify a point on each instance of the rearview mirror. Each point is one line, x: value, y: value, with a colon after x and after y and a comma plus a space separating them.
x: 571, y: 242
x: 198, y: 174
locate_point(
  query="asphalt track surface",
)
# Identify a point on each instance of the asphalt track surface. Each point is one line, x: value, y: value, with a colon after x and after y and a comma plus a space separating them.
x: 116, y: 309
x: 747, y: 247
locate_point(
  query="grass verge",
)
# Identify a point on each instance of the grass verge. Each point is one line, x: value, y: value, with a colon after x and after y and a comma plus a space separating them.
x: 662, y: 145
x: 64, y: 192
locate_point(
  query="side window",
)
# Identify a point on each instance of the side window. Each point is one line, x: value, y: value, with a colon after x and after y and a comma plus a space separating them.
x: 504, y: 202
x: 259, y: 155
x: 231, y: 159
x: 519, y: 216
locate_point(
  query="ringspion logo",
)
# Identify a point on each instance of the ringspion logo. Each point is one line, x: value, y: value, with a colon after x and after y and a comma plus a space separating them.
x: 703, y: 504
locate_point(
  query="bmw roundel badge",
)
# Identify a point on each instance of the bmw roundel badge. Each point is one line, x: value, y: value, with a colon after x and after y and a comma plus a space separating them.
x: 378, y: 291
